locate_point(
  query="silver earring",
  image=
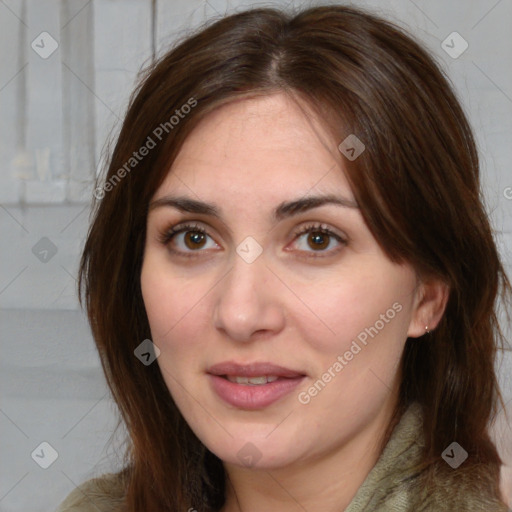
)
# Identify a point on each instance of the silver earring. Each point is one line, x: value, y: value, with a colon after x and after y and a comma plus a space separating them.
x: 427, y: 331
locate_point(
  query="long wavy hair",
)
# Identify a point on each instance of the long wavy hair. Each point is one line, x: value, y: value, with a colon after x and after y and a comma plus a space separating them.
x: 417, y: 184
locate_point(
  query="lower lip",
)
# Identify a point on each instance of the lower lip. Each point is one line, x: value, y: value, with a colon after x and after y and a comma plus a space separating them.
x: 250, y: 397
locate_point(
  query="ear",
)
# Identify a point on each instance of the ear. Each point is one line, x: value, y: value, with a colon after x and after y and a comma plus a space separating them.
x: 430, y: 304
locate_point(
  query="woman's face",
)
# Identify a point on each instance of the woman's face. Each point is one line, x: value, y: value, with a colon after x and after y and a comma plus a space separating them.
x: 263, y: 278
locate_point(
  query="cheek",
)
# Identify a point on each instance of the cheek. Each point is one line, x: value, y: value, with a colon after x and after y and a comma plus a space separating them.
x: 357, y: 358
x: 175, y: 307
x: 351, y: 305
x: 160, y: 298
x: 370, y: 316
x: 174, y: 311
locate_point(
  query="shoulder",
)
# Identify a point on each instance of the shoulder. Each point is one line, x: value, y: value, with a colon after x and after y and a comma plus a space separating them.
x: 397, y: 482
x: 102, y: 494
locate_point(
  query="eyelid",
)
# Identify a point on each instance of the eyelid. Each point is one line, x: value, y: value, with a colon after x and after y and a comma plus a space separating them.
x: 320, y: 227
x: 168, y: 234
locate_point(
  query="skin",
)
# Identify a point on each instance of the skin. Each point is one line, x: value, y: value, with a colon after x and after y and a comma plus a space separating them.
x: 297, y: 305
x: 502, y: 432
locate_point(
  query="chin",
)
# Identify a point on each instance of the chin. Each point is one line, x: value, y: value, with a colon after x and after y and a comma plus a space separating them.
x: 257, y: 451
x: 255, y: 458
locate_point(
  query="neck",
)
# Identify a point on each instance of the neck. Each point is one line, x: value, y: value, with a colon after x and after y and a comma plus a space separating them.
x: 326, y: 483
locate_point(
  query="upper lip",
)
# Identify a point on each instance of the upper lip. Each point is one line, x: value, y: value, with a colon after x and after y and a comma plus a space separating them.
x: 255, y: 369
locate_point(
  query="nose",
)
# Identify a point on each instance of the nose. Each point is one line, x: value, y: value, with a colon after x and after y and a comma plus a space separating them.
x: 248, y: 303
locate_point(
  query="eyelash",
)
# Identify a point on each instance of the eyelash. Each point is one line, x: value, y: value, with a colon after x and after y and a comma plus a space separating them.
x: 167, y: 236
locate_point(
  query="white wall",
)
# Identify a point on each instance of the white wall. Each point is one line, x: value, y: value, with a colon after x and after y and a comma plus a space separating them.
x: 55, y: 114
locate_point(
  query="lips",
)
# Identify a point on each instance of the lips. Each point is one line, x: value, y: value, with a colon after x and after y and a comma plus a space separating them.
x: 252, y: 386
x: 233, y: 369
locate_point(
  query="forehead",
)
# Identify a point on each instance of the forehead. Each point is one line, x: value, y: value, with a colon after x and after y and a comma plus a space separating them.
x: 257, y: 148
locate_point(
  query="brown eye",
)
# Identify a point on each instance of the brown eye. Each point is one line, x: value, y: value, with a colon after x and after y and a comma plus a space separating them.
x: 187, y: 240
x: 194, y: 239
x: 318, y: 240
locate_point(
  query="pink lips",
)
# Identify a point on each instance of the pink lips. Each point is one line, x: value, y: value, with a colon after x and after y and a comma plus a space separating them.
x: 252, y: 397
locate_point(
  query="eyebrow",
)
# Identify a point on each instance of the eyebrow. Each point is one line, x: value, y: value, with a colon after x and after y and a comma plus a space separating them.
x: 284, y: 210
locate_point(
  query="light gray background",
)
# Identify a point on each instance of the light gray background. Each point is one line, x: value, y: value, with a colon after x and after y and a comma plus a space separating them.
x: 55, y: 115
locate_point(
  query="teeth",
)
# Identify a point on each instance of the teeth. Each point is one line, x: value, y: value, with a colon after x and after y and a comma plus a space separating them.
x: 252, y: 381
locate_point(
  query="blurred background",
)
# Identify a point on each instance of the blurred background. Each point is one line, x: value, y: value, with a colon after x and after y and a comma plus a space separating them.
x: 67, y: 68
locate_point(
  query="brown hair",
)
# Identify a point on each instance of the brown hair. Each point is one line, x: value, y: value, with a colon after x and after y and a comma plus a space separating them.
x: 417, y: 184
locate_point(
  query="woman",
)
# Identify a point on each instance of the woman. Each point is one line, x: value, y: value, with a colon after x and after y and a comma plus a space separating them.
x: 303, y: 314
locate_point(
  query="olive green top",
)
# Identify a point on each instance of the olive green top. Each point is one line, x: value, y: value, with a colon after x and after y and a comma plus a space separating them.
x: 391, y: 486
